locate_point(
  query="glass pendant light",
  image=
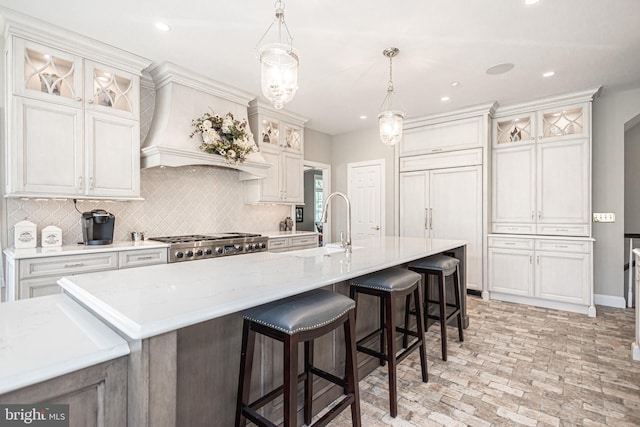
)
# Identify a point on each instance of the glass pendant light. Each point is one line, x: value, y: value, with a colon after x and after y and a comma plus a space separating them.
x: 279, y: 63
x: 390, y: 118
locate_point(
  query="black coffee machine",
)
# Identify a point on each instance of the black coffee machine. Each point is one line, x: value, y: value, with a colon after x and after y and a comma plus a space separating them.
x: 97, y: 227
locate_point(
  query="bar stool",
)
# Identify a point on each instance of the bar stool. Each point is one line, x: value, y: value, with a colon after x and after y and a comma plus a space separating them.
x: 441, y: 266
x: 388, y: 285
x: 301, y: 318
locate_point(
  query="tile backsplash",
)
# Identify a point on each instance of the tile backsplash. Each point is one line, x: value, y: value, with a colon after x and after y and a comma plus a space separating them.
x: 183, y: 200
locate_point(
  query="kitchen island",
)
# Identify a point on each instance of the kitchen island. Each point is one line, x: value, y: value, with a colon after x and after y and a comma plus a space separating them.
x: 183, y: 321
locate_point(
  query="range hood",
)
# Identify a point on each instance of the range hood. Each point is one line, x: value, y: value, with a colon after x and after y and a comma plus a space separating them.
x: 180, y: 97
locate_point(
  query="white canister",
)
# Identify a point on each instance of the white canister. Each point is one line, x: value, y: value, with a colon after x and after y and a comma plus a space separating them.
x: 51, y: 237
x: 24, y: 235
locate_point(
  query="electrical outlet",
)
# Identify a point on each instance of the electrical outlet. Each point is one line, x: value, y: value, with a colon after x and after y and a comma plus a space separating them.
x: 604, y: 217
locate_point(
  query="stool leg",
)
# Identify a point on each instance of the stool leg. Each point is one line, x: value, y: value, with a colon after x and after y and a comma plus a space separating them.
x: 290, y: 380
x: 456, y: 284
x: 390, y: 327
x: 308, y: 381
x: 418, y: 297
x: 351, y: 368
x: 407, y: 309
x: 381, y: 311
x: 246, y: 363
x: 443, y: 314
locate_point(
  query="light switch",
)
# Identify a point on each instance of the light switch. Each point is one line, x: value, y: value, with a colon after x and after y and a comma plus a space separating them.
x: 604, y: 217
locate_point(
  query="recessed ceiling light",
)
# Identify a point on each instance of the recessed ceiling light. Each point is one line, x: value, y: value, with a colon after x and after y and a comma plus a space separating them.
x: 163, y: 26
x: 455, y: 84
x: 444, y: 99
x: 549, y: 74
x: 362, y: 116
x: 530, y: 2
x: 500, y: 68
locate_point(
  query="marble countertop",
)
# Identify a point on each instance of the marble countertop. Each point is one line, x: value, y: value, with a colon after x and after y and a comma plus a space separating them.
x: 147, y: 301
x: 82, y: 249
x: 42, y: 338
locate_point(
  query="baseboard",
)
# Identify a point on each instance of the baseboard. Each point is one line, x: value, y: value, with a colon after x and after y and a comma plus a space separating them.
x: 610, y: 301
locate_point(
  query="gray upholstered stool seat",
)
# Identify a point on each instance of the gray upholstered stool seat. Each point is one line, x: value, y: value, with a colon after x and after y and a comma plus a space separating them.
x: 293, y: 320
x: 441, y: 266
x: 445, y: 263
x: 388, y: 285
x: 301, y: 312
x: 391, y: 279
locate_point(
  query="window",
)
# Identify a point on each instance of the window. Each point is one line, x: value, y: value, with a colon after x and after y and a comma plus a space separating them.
x: 318, y: 199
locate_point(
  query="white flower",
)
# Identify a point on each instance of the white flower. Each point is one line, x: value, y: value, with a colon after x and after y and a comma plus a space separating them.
x: 227, y: 124
x: 206, y: 124
x: 210, y: 135
x: 231, y: 153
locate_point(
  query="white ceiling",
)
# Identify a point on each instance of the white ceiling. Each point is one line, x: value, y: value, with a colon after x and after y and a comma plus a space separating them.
x: 343, y: 73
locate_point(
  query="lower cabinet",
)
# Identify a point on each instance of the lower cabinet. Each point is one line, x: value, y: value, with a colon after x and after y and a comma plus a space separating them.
x: 548, y: 272
x: 97, y: 395
x: 293, y: 243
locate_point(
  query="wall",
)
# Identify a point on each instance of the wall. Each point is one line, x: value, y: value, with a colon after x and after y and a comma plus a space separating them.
x: 610, y: 113
x: 360, y: 146
x: 317, y: 146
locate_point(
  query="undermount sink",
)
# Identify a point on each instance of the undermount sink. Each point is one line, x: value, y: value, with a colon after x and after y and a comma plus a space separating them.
x: 328, y: 250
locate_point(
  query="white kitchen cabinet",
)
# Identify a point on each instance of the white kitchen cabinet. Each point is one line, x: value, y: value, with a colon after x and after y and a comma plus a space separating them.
x: 73, y: 123
x: 446, y: 204
x: 552, y: 273
x: 292, y: 243
x: 280, y: 138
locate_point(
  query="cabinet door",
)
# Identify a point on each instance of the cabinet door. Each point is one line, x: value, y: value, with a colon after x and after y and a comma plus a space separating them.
x: 271, y: 183
x: 33, y: 288
x: 565, y: 122
x: 46, y: 149
x: 112, y: 91
x: 446, y: 136
x: 513, y: 188
x: 514, y: 130
x: 45, y: 73
x: 113, y: 156
x: 414, y: 199
x: 455, y: 199
x: 563, y: 187
x: 563, y: 276
x: 293, y: 138
x: 293, y: 178
x: 511, y: 271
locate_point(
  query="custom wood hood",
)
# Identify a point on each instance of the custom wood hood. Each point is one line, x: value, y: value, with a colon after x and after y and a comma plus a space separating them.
x: 180, y: 97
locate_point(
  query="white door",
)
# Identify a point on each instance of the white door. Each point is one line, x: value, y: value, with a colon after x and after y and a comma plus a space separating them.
x: 366, y: 192
x: 414, y: 204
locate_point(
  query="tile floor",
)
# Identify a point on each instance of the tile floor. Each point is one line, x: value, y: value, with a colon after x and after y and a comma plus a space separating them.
x: 519, y: 365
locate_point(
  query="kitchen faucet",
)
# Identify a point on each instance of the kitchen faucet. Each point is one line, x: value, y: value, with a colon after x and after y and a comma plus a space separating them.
x: 346, y: 244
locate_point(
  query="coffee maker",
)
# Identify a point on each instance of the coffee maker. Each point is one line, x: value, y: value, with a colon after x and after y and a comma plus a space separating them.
x: 97, y: 227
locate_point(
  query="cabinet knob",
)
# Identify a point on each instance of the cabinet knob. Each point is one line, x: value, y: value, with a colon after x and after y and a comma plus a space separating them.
x: 77, y: 98
x: 90, y: 101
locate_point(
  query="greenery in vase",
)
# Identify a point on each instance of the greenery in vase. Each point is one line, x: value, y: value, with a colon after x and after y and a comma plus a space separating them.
x: 224, y: 135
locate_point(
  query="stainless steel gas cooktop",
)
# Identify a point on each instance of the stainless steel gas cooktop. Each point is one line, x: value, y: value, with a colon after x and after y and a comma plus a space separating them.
x: 198, y: 246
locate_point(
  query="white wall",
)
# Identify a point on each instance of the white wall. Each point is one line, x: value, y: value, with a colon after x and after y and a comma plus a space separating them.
x: 317, y: 146
x: 611, y: 111
x: 359, y: 146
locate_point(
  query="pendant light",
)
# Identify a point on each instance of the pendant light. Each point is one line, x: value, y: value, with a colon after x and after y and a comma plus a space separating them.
x: 279, y: 63
x: 390, y: 117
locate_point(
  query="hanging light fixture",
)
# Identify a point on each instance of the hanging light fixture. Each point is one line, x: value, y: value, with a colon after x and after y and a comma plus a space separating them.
x: 279, y: 63
x: 390, y: 117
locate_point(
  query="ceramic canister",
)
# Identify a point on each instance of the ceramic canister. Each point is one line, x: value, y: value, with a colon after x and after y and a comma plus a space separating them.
x: 24, y: 235
x: 51, y: 237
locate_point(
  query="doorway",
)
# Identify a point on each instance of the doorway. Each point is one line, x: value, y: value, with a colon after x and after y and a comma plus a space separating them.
x: 317, y: 187
x: 631, y: 202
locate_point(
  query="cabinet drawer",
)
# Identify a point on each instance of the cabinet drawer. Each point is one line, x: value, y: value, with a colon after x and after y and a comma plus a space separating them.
x: 564, y: 230
x: 564, y: 246
x: 450, y: 159
x: 510, y: 243
x: 278, y: 243
x: 139, y: 258
x: 68, y: 264
x: 311, y: 241
x: 514, y: 228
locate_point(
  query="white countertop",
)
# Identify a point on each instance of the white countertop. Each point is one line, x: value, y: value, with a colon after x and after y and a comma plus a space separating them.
x: 82, y: 249
x: 147, y: 301
x: 42, y: 338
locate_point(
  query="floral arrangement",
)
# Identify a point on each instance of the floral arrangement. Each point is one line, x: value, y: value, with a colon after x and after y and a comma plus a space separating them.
x: 224, y: 135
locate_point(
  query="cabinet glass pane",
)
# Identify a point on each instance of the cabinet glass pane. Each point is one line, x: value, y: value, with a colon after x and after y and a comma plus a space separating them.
x: 292, y: 137
x: 559, y: 123
x: 513, y: 130
x: 270, y: 132
x: 49, y: 74
x: 112, y: 91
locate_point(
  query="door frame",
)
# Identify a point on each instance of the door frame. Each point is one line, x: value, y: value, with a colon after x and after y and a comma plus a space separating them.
x: 325, y: 168
x: 383, y: 204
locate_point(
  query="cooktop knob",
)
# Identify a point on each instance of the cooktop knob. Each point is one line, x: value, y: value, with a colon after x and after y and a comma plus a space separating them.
x: 189, y: 253
x: 219, y: 250
x: 208, y: 251
x: 199, y: 252
x: 249, y: 247
x: 179, y: 254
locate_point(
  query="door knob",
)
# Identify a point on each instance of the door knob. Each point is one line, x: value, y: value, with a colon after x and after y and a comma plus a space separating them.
x: 377, y: 227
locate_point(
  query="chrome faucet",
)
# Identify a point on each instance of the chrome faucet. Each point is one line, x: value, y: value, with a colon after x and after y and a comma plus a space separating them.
x: 346, y: 244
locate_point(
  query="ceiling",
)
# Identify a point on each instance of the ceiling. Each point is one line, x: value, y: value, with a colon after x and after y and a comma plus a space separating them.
x: 343, y: 73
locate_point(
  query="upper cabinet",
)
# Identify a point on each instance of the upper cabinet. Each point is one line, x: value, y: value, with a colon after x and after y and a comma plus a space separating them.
x: 73, y: 117
x: 541, y: 174
x: 280, y: 137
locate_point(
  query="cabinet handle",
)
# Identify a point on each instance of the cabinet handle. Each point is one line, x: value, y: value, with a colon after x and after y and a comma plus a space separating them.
x: 435, y: 150
x: 509, y: 243
x: 530, y: 259
x: 532, y: 216
x: 539, y: 214
x: 426, y: 218
x: 80, y: 182
x: 538, y: 259
x: 91, y: 186
x: 79, y: 264
x: 562, y: 229
x: 141, y: 258
x: 430, y: 218
x: 562, y: 246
